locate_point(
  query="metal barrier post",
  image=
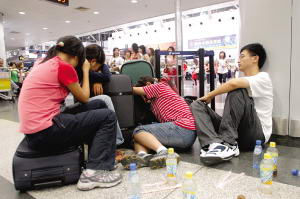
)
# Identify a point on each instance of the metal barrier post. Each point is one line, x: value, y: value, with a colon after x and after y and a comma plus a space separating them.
x: 201, y: 72
x: 157, y: 64
x: 212, y: 78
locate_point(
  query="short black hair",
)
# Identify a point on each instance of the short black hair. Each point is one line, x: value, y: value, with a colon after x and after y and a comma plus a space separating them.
x: 256, y: 49
x: 143, y: 81
x: 135, y: 48
x: 143, y: 48
x: 94, y: 51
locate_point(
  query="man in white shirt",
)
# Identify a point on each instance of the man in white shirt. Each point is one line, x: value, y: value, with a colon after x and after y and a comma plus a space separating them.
x: 247, y: 115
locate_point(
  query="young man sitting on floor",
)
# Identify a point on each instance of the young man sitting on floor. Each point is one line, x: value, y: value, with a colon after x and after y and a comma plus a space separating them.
x: 176, y: 128
x: 247, y: 115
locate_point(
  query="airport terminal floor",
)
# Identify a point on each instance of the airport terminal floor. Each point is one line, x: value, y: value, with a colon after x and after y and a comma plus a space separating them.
x: 223, y: 181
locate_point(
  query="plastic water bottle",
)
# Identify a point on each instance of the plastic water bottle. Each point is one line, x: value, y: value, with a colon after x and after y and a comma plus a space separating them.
x: 266, y: 173
x: 134, y: 183
x: 171, y: 165
x: 295, y: 172
x: 189, y: 188
x: 274, y: 153
x: 257, y: 157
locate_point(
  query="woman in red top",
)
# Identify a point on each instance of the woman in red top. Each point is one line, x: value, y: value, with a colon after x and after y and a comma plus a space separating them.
x: 47, y: 128
x: 176, y: 127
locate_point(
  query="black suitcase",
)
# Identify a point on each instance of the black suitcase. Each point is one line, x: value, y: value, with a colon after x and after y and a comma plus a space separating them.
x: 119, y: 89
x: 34, y: 169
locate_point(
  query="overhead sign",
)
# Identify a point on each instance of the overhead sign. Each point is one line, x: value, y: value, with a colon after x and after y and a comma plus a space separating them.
x: 61, y: 2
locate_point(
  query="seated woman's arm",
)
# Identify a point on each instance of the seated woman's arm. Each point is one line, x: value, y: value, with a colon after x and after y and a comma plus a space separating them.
x: 101, y: 77
x: 82, y: 94
x: 138, y: 91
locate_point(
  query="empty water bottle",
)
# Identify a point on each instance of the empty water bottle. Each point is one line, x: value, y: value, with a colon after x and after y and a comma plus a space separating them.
x: 171, y: 165
x: 134, y: 183
x: 189, y: 188
x: 257, y: 157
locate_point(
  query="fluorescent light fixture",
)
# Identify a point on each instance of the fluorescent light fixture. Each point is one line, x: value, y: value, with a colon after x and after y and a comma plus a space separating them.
x: 96, y: 12
x: 134, y: 1
x: 68, y: 21
x: 45, y: 28
x: 22, y: 13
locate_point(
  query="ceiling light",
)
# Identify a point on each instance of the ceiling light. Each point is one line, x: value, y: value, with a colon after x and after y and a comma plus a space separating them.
x: 22, y: 13
x: 27, y: 34
x: 12, y: 38
x: 134, y: 1
x: 96, y: 12
x: 45, y: 28
x: 68, y: 21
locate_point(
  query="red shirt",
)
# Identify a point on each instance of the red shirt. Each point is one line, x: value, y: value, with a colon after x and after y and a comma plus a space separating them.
x: 168, y: 106
x: 42, y: 93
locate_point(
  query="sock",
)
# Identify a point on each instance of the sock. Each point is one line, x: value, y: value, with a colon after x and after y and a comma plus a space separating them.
x: 141, y: 153
x: 90, y: 171
x: 161, y: 148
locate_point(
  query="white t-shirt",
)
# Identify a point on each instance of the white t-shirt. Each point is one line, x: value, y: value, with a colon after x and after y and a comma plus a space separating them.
x: 222, y: 69
x: 116, y: 61
x: 261, y: 90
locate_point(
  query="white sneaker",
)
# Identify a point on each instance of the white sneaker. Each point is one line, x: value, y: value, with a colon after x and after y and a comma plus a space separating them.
x: 236, y: 150
x: 217, y: 153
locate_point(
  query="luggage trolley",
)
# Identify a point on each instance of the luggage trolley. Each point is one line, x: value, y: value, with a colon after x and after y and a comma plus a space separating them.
x: 201, y: 53
x: 6, y: 92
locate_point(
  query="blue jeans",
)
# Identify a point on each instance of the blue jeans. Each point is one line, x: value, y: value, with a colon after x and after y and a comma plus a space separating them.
x: 169, y: 134
x: 110, y: 106
x: 107, y: 100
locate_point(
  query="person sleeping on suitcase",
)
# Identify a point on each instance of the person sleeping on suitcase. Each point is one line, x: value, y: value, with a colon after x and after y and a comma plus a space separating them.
x: 176, y: 128
x: 47, y: 128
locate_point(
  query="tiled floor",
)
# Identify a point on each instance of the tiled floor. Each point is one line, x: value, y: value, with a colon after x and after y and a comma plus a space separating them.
x: 286, y: 186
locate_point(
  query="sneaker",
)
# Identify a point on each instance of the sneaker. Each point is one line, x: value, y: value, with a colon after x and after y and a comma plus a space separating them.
x: 217, y: 153
x: 159, y: 160
x: 141, y: 160
x: 236, y: 149
x: 101, y: 178
x: 121, y: 153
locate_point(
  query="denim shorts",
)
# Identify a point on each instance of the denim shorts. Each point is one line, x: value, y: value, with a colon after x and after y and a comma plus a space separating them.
x: 169, y: 134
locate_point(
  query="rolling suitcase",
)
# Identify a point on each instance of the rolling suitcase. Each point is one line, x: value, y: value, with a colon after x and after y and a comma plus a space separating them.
x: 34, y: 169
x: 119, y: 89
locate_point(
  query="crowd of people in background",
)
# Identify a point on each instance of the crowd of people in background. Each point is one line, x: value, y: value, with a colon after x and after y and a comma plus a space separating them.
x: 136, y: 52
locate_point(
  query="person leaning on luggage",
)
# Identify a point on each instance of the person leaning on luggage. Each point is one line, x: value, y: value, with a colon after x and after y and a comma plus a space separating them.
x: 247, y: 115
x: 176, y: 128
x: 46, y: 128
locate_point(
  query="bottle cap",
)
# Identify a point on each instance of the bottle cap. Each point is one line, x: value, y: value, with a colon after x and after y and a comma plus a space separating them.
x: 295, y: 172
x: 258, y: 142
x: 188, y: 175
x: 132, y: 166
x: 272, y: 144
x: 267, y: 156
x: 170, y: 150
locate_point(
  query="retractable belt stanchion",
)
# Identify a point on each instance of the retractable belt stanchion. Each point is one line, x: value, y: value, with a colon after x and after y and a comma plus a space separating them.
x: 201, y: 53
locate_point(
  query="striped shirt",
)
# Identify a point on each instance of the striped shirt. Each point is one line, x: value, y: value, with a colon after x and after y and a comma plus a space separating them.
x: 168, y: 106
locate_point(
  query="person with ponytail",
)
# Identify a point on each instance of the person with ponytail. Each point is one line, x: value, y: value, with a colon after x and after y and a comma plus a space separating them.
x: 176, y: 128
x: 47, y: 128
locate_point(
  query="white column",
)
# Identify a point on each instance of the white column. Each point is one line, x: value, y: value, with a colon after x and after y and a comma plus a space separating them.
x: 269, y: 23
x: 2, y: 43
x: 178, y: 36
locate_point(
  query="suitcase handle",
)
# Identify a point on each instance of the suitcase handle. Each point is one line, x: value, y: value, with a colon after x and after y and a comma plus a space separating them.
x: 47, y: 177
